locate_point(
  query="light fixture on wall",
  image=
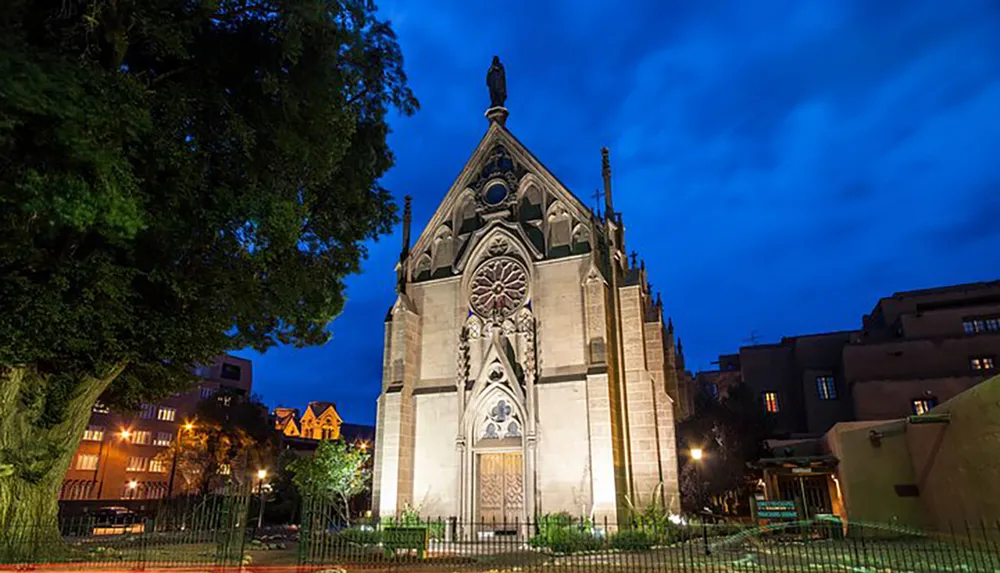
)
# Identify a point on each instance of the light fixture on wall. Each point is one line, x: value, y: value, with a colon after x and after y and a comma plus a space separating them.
x: 875, y: 437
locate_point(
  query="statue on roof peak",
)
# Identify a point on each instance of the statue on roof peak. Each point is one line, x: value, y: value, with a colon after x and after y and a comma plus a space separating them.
x: 496, y: 81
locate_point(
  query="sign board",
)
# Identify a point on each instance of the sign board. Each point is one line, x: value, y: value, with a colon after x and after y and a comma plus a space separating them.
x: 777, y: 509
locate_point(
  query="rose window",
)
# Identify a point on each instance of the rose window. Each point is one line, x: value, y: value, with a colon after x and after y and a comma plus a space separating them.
x: 499, y: 287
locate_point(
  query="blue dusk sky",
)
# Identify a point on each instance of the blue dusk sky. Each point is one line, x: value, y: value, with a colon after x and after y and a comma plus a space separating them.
x: 780, y: 165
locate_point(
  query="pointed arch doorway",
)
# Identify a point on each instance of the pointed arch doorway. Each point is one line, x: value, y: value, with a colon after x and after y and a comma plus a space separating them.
x: 499, y: 460
x: 497, y: 469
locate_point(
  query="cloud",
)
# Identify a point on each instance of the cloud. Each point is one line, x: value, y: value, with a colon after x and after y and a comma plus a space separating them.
x: 780, y: 165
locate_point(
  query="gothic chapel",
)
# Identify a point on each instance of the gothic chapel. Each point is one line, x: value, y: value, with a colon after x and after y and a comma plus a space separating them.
x: 527, y: 368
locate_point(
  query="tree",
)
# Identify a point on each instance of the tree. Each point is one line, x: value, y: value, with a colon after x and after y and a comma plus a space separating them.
x: 334, y: 474
x: 231, y: 437
x: 730, y: 433
x: 179, y: 178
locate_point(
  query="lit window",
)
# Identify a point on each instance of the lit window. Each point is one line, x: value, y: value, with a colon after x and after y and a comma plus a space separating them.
x: 94, y: 434
x: 141, y: 437
x: 157, y: 466
x: 923, y: 405
x: 982, y: 363
x: 225, y: 470
x: 86, y: 462
x: 146, y: 412
x: 166, y: 414
x: 978, y: 325
x: 163, y: 439
x: 137, y: 464
x: 771, y: 401
x: 826, y: 387
x: 207, y: 392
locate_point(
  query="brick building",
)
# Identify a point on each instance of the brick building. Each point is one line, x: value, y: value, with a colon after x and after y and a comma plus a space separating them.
x: 117, y: 458
x: 915, y: 350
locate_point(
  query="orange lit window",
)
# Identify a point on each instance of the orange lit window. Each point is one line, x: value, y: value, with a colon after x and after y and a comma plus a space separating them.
x: 981, y: 363
x: 771, y: 401
x: 923, y: 405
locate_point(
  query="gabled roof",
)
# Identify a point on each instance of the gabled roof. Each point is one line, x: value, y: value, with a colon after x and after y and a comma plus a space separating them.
x: 496, y: 135
x: 286, y: 422
x: 319, y: 408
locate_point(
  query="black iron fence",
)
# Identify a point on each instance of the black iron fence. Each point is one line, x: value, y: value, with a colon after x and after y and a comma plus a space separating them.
x: 205, y: 530
x: 561, y: 544
x: 214, y: 532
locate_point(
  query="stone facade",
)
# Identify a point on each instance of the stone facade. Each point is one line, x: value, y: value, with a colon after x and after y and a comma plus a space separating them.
x: 528, y: 369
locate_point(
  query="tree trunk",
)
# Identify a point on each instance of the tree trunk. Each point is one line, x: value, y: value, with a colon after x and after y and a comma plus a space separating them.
x: 34, y: 458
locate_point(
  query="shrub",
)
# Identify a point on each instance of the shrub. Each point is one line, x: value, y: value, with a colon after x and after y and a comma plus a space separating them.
x: 572, y: 540
x: 410, y: 517
x: 561, y: 533
x: 361, y: 536
x: 633, y: 540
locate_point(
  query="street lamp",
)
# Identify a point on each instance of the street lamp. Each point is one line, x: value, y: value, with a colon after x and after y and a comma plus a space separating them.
x: 261, y: 474
x: 696, y: 456
x: 173, y: 463
x: 123, y: 435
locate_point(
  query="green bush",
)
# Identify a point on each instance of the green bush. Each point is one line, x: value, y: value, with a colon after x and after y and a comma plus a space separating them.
x: 561, y: 533
x: 633, y: 540
x: 361, y: 536
x: 572, y: 540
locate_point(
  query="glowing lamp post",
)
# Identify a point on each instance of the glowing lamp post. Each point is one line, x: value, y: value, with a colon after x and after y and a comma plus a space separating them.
x: 696, y: 456
x: 261, y: 474
x: 173, y: 463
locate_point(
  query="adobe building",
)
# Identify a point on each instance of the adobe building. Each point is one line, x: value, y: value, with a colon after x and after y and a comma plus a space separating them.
x: 118, y: 458
x: 915, y: 350
x: 528, y: 368
x: 920, y: 348
x: 716, y: 383
x: 938, y: 470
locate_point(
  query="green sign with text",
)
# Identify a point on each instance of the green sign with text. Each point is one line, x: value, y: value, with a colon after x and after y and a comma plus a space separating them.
x: 777, y: 509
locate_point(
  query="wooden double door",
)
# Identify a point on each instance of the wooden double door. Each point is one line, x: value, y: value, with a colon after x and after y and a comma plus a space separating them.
x: 501, y: 488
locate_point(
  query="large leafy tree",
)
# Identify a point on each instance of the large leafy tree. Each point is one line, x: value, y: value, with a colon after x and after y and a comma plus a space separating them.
x: 229, y: 439
x: 177, y: 178
x: 730, y: 433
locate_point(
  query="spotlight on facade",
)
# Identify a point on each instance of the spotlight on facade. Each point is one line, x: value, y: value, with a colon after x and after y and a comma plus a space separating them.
x: 133, y: 484
x: 697, y: 454
x: 125, y: 434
